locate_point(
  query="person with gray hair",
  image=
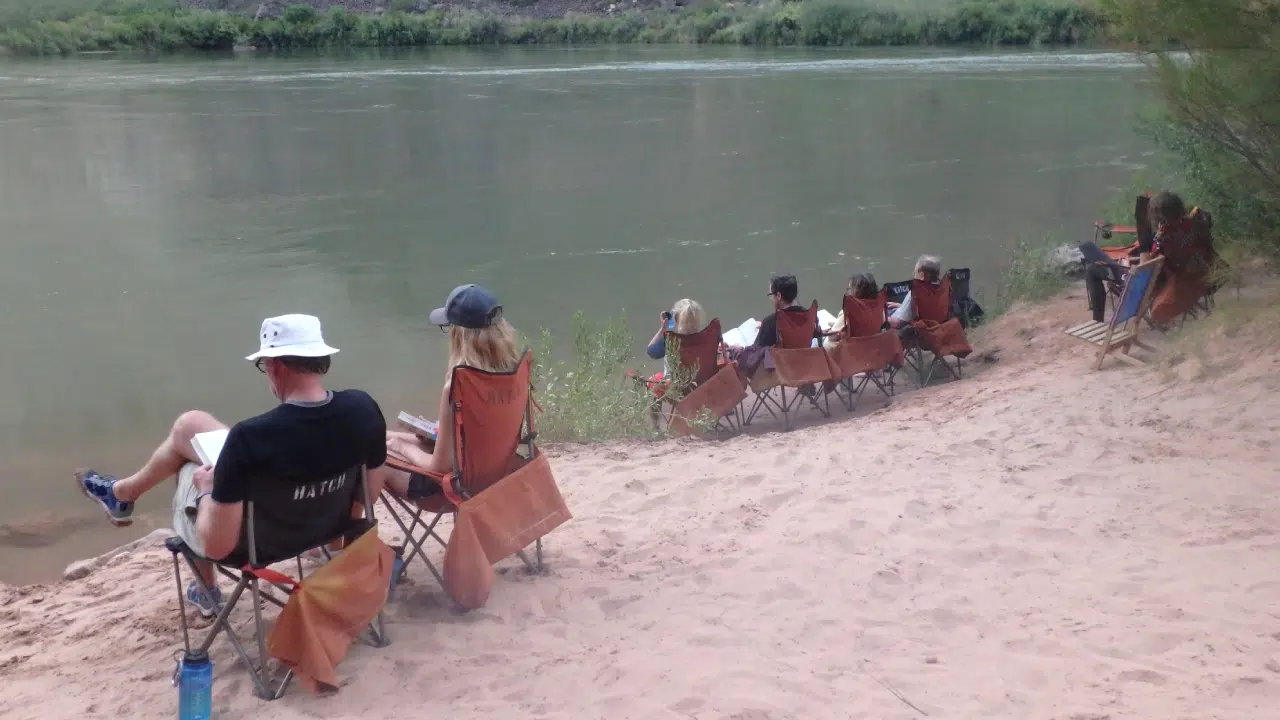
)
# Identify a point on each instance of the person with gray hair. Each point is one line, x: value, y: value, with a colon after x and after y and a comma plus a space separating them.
x: 928, y: 269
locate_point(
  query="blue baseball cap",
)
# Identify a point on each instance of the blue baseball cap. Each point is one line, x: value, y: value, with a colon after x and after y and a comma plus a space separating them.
x: 468, y: 306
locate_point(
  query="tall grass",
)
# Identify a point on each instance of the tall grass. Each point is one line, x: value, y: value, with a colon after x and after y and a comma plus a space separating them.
x: 582, y: 385
x: 67, y: 26
x: 1033, y: 275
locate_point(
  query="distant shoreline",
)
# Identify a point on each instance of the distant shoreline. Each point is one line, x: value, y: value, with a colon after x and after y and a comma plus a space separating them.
x: 813, y: 23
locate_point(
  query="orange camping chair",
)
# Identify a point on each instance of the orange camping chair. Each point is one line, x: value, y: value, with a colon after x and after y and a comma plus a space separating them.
x: 699, y: 365
x: 797, y: 365
x: 938, y: 332
x: 281, y: 522
x: 501, y: 500
x: 1104, y: 232
x: 866, y: 353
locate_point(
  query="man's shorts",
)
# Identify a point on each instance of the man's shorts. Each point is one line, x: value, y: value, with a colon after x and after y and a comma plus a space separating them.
x: 184, y: 509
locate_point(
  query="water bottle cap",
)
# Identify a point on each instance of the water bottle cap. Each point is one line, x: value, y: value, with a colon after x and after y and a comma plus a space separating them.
x: 195, y: 657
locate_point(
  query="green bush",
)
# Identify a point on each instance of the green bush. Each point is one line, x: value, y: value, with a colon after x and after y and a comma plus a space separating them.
x: 1221, y: 115
x: 65, y: 26
x: 299, y: 15
x: 1032, y: 275
x: 582, y: 387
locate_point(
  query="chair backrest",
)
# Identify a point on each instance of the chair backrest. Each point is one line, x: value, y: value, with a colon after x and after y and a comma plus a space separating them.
x: 699, y: 351
x: 285, y: 519
x: 1142, y: 219
x: 932, y: 301
x: 1137, y: 292
x: 490, y: 410
x: 959, y: 282
x: 797, y: 328
x: 865, y: 317
x: 897, y: 291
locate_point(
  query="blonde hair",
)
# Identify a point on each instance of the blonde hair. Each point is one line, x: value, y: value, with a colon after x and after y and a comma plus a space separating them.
x: 492, y: 349
x: 688, y: 316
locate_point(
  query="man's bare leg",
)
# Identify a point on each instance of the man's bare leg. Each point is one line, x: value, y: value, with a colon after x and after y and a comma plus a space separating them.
x: 168, y: 459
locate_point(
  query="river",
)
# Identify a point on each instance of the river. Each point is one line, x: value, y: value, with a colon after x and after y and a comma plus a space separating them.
x: 152, y: 213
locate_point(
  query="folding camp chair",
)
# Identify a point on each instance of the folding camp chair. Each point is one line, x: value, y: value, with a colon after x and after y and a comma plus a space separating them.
x: 493, y: 418
x: 1104, y: 232
x: 963, y: 306
x: 797, y: 365
x: 272, y: 517
x: 867, y: 354
x: 937, y: 332
x: 1126, y: 322
x: 698, y: 362
x: 719, y: 398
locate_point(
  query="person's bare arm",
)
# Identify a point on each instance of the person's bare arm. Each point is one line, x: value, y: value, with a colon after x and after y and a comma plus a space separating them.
x: 440, y: 458
x: 217, y: 524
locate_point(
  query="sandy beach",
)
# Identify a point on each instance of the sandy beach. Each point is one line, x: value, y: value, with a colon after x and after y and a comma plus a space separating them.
x: 1036, y: 541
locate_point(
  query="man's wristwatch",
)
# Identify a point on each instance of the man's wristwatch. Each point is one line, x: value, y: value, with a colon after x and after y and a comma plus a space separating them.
x: 200, y: 497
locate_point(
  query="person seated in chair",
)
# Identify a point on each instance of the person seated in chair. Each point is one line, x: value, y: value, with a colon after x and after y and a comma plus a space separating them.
x: 861, y: 286
x: 929, y: 269
x: 783, y: 290
x: 479, y: 337
x: 313, y: 436
x: 685, y: 317
x: 1185, y: 241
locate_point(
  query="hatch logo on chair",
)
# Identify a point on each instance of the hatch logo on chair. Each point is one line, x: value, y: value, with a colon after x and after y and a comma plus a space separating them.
x: 310, y: 491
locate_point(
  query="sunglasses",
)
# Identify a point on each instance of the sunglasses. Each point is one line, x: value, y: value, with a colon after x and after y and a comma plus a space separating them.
x: 261, y: 364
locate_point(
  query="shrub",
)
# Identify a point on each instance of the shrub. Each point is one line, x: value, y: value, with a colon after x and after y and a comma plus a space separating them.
x: 582, y: 387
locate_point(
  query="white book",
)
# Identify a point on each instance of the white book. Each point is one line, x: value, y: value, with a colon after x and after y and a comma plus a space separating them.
x: 743, y: 335
x: 209, y: 446
x: 419, y: 426
x: 826, y: 320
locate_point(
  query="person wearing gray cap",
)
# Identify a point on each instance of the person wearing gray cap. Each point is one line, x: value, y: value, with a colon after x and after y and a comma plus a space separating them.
x: 479, y: 337
x: 312, y: 436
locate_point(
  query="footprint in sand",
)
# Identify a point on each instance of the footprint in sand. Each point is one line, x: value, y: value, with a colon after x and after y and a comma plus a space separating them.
x: 1150, y: 677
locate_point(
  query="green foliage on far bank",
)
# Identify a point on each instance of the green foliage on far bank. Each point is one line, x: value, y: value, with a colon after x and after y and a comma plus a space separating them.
x: 69, y: 26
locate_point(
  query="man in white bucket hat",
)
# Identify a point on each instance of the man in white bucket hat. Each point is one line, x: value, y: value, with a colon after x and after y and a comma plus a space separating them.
x: 312, y: 434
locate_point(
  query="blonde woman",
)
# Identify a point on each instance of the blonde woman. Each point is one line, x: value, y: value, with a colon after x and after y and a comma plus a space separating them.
x: 479, y: 337
x: 685, y: 317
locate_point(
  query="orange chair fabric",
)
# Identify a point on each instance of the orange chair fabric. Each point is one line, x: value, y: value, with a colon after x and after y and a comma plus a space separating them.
x: 489, y: 411
x: 507, y: 517
x: 867, y: 354
x: 717, y: 397
x: 797, y: 329
x: 943, y: 339
x: 933, y: 302
x: 700, y: 350
x: 1187, y: 248
x: 865, y: 317
x: 329, y: 608
x: 490, y: 523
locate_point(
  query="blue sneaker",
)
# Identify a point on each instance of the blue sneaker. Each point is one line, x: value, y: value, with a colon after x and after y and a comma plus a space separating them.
x: 98, y: 487
x: 206, y: 604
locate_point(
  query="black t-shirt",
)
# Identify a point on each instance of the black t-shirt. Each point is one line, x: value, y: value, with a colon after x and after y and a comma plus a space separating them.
x: 768, y: 335
x: 301, y: 445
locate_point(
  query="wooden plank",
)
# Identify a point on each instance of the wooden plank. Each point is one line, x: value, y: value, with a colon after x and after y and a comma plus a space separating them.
x: 1096, y: 333
x: 1130, y: 359
x: 1076, y: 330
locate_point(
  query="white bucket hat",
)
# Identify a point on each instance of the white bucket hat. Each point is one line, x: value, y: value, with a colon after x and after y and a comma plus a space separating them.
x: 292, y: 336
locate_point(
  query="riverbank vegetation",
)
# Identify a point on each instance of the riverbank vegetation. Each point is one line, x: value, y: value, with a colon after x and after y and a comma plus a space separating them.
x: 53, y: 27
x: 1220, y: 119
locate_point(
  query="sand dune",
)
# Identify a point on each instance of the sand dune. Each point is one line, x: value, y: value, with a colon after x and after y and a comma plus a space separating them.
x: 1038, y: 541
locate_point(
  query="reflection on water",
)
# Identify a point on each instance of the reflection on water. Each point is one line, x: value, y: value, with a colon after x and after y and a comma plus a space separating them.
x: 152, y: 214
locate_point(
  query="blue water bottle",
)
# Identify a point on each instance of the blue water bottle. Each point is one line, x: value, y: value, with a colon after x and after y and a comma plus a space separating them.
x: 194, y: 679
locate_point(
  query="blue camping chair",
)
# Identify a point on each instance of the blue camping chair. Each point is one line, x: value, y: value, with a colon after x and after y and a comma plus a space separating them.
x: 1126, y: 322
